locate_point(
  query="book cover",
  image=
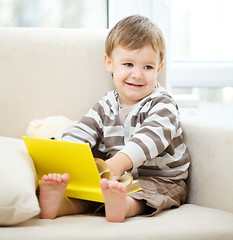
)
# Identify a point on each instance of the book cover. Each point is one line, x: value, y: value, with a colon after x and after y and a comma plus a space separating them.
x: 76, y: 159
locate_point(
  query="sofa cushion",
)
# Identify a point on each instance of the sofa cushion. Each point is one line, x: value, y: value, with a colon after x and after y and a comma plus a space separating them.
x: 18, y: 200
x: 186, y: 222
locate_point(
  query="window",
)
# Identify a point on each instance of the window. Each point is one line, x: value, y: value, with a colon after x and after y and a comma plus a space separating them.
x: 201, y: 39
x: 198, y: 36
x: 201, y: 58
x: 53, y: 13
x: 201, y: 30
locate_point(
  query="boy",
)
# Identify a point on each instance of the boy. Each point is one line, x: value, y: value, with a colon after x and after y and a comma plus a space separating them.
x: 137, y: 128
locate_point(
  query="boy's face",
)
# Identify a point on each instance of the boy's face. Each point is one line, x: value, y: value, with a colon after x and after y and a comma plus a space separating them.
x: 134, y: 72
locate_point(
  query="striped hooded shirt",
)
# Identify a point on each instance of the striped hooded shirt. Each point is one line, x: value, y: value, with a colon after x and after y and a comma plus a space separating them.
x: 150, y: 135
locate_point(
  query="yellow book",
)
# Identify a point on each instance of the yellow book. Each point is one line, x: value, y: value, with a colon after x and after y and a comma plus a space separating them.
x: 76, y: 159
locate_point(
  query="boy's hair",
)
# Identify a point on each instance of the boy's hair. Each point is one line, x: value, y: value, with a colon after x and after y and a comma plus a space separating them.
x: 135, y: 32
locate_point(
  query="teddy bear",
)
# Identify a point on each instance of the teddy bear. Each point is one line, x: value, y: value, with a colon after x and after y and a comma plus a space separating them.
x: 50, y: 127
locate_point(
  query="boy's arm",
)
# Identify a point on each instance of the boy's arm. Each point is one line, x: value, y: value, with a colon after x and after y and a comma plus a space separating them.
x: 156, y: 133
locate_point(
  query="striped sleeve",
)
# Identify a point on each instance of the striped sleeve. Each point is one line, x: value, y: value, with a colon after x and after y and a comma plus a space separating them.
x: 88, y: 130
x: 158, y: 129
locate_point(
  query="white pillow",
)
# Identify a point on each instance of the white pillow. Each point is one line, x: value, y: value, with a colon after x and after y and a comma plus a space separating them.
x: 18, y: 180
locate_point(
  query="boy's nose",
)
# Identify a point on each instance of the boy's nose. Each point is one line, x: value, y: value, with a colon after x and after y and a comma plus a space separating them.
x: 137, y: 74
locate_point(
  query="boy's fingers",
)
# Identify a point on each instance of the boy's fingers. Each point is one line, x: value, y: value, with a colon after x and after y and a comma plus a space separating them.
x: 114, y: 178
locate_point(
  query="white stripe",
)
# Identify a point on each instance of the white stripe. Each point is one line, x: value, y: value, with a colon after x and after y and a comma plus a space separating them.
x: 178, y: 132
x: 162, y: 162
x: 164, y: 121
x: 181, y: 168
x: 107, y: 110
x: 113, y: 131
x: 86, y: 128
x: 158, y: 131
x: 179, y: 152
x: 111, y: 150
x: 135, y: 153
x: 85, y: 135
x: 93, y: 114
x: 150, y: 144
x: 146, y: 107
x: 71, y: 139
x: 171, y: 107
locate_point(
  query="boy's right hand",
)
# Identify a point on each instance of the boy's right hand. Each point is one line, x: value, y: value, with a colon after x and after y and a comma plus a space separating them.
x: 118, y: 164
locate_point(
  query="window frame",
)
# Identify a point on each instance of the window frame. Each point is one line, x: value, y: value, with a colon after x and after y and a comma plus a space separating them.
x: 179, y: 73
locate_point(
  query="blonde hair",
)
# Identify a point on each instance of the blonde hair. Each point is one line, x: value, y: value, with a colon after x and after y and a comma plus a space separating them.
x: 135, y: 32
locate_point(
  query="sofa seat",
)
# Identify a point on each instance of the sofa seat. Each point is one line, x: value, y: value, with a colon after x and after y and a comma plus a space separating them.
x: 187, y: 222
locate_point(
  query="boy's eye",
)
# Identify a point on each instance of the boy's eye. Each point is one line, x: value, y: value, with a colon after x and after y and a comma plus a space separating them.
x: 148, y: 67
x: 128, y: 64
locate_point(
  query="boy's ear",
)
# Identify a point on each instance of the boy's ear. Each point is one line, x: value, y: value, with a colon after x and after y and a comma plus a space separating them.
x: 160, y: 66
x: 108, y: 63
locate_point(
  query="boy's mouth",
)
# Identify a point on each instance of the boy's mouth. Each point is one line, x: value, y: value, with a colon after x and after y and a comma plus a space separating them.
x: 134, y: 84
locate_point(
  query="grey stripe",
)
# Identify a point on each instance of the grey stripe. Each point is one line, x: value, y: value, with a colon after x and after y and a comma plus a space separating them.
x: 166, y: 113
x: 91, y: 123
x: 163, y: 98
x: 143, y: 147
x: 156, y: 139
x: 184, y: 159
x: 113, y: 141
x: 162, y: 113
x: 149, y: 167
x: 171, y: 148
x: 161, y: 173
x: 138, y: 118
x: 95, y: 136
x: 112, y: 123
x: 106, y: 120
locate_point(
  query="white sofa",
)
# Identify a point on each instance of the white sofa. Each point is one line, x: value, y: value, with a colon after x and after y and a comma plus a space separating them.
x: 51, y: 72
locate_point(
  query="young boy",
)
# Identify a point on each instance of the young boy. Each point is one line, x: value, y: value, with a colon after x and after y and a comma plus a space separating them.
x: 136, y: 126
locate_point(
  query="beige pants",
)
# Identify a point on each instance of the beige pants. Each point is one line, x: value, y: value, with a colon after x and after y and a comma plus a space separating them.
x: 160, y: 193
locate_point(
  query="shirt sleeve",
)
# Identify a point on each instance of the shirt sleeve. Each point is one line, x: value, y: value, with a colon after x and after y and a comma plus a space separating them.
x: 158, y: 129
x: 87, y: 130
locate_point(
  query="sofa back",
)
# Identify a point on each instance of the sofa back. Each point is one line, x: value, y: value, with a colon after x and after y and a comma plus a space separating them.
x: 50, y: 72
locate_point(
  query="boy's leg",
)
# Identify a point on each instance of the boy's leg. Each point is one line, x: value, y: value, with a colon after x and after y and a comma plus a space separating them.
x: 135, y: 207
x: 118, y: 205
x: 52, y: 200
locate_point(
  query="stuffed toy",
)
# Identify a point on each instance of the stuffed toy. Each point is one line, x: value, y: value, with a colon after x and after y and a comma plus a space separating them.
x: 50, y: 128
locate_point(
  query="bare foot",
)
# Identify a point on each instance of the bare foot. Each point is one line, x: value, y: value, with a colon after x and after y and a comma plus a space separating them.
x: 115, y: 200
x: 52, y: 190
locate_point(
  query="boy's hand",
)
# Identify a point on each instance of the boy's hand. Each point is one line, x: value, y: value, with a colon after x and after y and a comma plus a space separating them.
x: 118, y: 164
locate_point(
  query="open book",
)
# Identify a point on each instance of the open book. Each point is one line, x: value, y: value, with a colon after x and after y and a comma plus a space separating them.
x: 76, y: 159
x: 126, y: 179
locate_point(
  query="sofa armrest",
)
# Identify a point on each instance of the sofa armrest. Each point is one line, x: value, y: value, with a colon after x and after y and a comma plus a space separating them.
x: 210, y: 143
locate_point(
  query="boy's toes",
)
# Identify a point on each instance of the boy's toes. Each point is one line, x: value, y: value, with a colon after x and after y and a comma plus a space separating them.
x: 65, y: 177
x: 53, y: 177
x: 59, y: 178
x: 45, y: 178
x: 104, y: 183
x: 50, y: 177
